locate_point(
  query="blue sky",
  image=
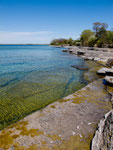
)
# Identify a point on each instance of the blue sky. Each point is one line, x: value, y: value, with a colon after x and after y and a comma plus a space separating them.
x: 40, y: 21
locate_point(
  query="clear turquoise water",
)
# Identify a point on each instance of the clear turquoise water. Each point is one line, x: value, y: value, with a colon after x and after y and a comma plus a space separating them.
x: 32, y: 77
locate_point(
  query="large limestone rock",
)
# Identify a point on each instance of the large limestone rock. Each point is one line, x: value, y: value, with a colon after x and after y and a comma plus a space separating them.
x: 103, y: 139
x: 105, y: 71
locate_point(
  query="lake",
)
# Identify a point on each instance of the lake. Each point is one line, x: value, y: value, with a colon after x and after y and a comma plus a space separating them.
x: 31, y: 77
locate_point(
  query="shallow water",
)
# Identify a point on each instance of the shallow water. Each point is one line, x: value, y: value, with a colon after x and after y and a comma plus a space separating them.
x: 32, y: 77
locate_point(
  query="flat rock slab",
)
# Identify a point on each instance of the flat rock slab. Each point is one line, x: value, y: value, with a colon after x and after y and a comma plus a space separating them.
x: 67, y: 124
x: 105, y: 71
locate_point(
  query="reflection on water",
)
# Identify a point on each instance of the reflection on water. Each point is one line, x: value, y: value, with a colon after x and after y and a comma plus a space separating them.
x: 32, y: 77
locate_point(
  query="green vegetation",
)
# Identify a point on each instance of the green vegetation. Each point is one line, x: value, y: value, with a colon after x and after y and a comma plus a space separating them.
x: 8, y: 136
x: 98, y: 37
x: 20, y: 99
x: 62, y: 42
x: 52, y: 106
x: 86, y: 37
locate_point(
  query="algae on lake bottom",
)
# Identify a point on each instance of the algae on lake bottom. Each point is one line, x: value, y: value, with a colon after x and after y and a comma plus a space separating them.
x: 21, y: 98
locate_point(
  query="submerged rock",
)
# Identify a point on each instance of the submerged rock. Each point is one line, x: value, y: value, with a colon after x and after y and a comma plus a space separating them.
x: 79, y: 67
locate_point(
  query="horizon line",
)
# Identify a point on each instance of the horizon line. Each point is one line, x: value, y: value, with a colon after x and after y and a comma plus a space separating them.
x: 24, y: 44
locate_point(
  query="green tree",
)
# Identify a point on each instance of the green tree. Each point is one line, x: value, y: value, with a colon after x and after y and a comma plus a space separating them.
x: 110, y: 38
x: 59, y: 42
x: 86, y: 36
x: 92, y: 42
x: 70, y: 41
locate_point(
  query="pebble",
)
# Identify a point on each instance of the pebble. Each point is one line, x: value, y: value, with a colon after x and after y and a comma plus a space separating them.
x: 89, y: 123
x: 78, y: 127
x: 80, y: 135
x: 51, y: 142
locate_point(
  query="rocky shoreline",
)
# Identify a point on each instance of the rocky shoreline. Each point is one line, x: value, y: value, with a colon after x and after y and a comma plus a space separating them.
x: 66, y: 124
x: 103, y: 138
x: 87, y: 53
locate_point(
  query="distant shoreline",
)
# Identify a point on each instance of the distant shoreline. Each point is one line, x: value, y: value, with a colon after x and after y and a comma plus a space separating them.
x: 21, y: 44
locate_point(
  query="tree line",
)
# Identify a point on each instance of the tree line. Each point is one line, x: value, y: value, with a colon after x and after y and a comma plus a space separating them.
x: 99, y: 36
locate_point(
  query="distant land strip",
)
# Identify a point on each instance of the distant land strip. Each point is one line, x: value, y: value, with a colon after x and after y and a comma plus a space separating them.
x: 23, y: 44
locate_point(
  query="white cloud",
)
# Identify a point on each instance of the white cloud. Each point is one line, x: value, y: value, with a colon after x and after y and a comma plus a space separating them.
x: 25, y: 37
